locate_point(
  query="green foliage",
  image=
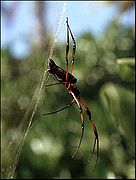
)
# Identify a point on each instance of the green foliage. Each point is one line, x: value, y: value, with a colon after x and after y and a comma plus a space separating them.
x: 106, y: 83
x: 126, y: 68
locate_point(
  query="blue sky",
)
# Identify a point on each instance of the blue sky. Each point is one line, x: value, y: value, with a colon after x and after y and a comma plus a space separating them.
x: 83, y: 16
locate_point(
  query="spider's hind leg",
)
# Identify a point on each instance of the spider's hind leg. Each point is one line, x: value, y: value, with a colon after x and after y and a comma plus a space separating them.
x: 75, y: 93
x: 96, y: 141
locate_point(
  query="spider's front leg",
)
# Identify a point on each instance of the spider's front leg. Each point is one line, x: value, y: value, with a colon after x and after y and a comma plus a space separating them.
x: 67, y: 51
x: 74, y: 45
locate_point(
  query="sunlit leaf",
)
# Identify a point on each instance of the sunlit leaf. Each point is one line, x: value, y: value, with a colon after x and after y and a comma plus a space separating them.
x: 126, y: 68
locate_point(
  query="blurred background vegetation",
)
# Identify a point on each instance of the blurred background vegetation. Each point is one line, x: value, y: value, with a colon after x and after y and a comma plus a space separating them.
x: 105, y: 69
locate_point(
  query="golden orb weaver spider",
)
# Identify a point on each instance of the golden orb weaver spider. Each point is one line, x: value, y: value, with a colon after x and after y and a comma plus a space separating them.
x: 68, y: 80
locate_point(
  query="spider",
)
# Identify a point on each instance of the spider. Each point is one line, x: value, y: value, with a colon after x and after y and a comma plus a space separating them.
x: 68, y: 80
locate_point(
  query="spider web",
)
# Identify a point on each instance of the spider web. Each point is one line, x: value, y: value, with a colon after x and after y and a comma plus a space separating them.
x: 12, y: 151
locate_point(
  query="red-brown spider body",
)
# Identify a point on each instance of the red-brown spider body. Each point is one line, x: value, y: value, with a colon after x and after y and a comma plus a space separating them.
x: 60, y: 73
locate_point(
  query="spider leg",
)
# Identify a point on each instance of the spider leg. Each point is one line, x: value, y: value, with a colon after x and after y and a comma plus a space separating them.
x: 67, y: 51
x: 81, y: 136
x: 58, y: 83
x: 74, y: 48
x: 47, y: 85
x: 67, y: 106
x: 45, y: 114
x: 91, y: 155
x: 82, y: 126
x: 96, y: 141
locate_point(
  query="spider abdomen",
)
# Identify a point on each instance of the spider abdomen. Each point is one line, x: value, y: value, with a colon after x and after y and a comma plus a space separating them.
x: 60, y: 73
